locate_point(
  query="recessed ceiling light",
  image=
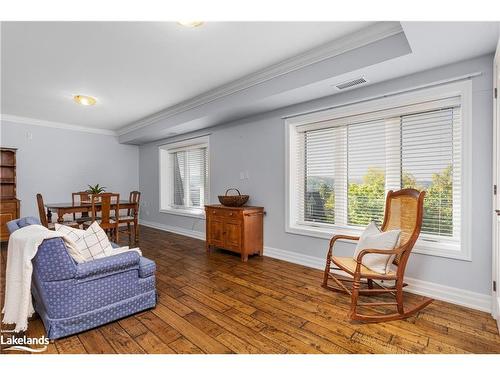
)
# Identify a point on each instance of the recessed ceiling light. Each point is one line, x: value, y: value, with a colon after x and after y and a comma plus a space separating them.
x: 190, y: 23
x: 84, y: 99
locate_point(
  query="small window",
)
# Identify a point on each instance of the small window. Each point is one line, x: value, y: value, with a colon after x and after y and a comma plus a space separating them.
x: 184, y: 177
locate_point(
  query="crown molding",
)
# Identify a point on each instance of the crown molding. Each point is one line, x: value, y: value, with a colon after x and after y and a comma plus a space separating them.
x: 328, y: 50
x: 53, y: 124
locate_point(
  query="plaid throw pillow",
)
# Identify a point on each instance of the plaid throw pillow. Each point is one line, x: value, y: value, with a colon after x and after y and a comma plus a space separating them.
x: 94, y: 244
x: 73, y: 233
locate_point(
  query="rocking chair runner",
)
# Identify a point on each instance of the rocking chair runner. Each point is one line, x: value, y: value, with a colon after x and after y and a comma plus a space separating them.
x: 404, y: 211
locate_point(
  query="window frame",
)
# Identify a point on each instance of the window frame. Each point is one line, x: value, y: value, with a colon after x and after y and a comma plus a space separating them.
x: 427, y: 244
x: 165, y: 179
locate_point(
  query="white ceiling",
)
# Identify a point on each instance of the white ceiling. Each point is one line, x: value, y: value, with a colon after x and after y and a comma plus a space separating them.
x: 433, y: 44
x: 138, y: 68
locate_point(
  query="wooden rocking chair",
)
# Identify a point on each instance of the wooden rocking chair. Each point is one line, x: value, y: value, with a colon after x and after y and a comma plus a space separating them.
x: 404, y: 211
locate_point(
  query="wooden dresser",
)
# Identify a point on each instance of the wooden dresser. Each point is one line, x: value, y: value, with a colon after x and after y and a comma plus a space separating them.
x: 238, y: 229
x: 9, y: 204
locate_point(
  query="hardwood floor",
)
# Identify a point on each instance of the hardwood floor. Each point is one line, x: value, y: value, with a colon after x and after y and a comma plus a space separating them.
x: 217, y: 304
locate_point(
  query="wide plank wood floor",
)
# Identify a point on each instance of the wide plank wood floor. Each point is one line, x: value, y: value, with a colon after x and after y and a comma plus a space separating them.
x: 216, y: 304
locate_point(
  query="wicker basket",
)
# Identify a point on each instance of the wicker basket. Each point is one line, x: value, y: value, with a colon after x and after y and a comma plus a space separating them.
x: 233, y: 200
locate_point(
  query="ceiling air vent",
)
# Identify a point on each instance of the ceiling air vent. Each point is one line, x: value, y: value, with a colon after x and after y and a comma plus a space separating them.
x: 351, y: 83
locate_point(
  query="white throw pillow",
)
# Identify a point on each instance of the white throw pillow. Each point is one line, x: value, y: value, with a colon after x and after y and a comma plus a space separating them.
x: 94, y: 243
x: 373, y: 238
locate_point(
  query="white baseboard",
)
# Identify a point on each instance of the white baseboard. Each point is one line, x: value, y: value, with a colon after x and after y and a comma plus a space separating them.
x: 292, y: 257
x: 178, y: 230
x: 441, y: 292
x: 498, y: 313
x: 450, y: 294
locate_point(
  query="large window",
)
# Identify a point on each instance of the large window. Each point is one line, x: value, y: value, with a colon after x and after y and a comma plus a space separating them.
x: 343, y: 162
x: 184, y: 177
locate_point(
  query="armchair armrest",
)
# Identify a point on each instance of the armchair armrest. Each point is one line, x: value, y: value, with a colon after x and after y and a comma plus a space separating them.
x: 362, y: 253
x: 109, y: 265
x: 343, y: 237
x: 340, y: 237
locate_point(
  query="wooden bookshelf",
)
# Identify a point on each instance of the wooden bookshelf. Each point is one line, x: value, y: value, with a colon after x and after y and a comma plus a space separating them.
x: 9, y: 204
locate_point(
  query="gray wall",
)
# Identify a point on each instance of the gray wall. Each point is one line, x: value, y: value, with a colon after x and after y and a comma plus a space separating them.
x: 57, y: 162
x: 257, y: 145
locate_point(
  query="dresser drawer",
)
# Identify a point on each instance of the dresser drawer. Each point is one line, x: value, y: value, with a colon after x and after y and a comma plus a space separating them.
x: 233, y: 214
x: 4, y: 218
x: 224, y: 213
x: 215, y: 212
x: 8, y: 207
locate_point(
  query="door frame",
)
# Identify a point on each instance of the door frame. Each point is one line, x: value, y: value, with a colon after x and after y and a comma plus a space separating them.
x: 495, y: 308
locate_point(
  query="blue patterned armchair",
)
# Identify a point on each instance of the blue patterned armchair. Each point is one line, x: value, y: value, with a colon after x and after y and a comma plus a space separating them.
x: 72, y: 297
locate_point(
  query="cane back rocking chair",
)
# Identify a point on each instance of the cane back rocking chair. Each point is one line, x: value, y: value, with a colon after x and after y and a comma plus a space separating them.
x: 404, y: 211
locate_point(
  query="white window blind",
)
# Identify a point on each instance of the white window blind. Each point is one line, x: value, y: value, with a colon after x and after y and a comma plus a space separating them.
x: 430, y: 161
x: 345, y: 166
x: 366, y: 155
x: 184, y: 176
x: 189, y: 176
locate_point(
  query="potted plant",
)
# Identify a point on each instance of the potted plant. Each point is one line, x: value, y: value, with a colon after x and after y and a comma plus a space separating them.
x: 96, y: 189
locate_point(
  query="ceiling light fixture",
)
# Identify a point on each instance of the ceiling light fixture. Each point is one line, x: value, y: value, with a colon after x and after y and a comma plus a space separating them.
x: 84, y: 100
x: 190, y: 23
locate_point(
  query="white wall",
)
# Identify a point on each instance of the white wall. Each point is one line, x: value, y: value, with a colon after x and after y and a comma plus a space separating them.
x: 257, y: 144
x: 57, y: 162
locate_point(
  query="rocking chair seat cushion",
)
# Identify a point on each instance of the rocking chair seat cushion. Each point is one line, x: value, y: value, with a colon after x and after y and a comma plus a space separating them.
x: 348, y: 264
x: 374, y: 238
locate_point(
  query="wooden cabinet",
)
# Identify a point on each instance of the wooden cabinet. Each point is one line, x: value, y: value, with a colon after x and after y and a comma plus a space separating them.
x: 238, y: 229
x: 9, y: 204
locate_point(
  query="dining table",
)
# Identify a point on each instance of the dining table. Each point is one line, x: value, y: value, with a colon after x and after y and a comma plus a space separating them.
x: 84, y: 207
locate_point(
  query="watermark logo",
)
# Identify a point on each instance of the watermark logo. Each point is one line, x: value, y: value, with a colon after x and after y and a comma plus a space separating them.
x: 11, y: 342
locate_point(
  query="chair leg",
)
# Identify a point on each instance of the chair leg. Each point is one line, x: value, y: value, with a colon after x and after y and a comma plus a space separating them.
x: 354, y: 296
x: 399, y: 296
x: 136, y: 232
x: 129, y: 231
x: 327, y: 268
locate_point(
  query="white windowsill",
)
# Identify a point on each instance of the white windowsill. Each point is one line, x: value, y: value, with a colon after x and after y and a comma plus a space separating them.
x: 198, y: 214
x: 439, y: 249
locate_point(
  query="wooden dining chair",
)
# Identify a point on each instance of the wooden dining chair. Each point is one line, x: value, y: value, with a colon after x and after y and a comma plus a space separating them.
x: 43, y: 215
x: 404, y: 211
x: 131, y: 217
x: 81, y: 197
x: 108, y: 205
